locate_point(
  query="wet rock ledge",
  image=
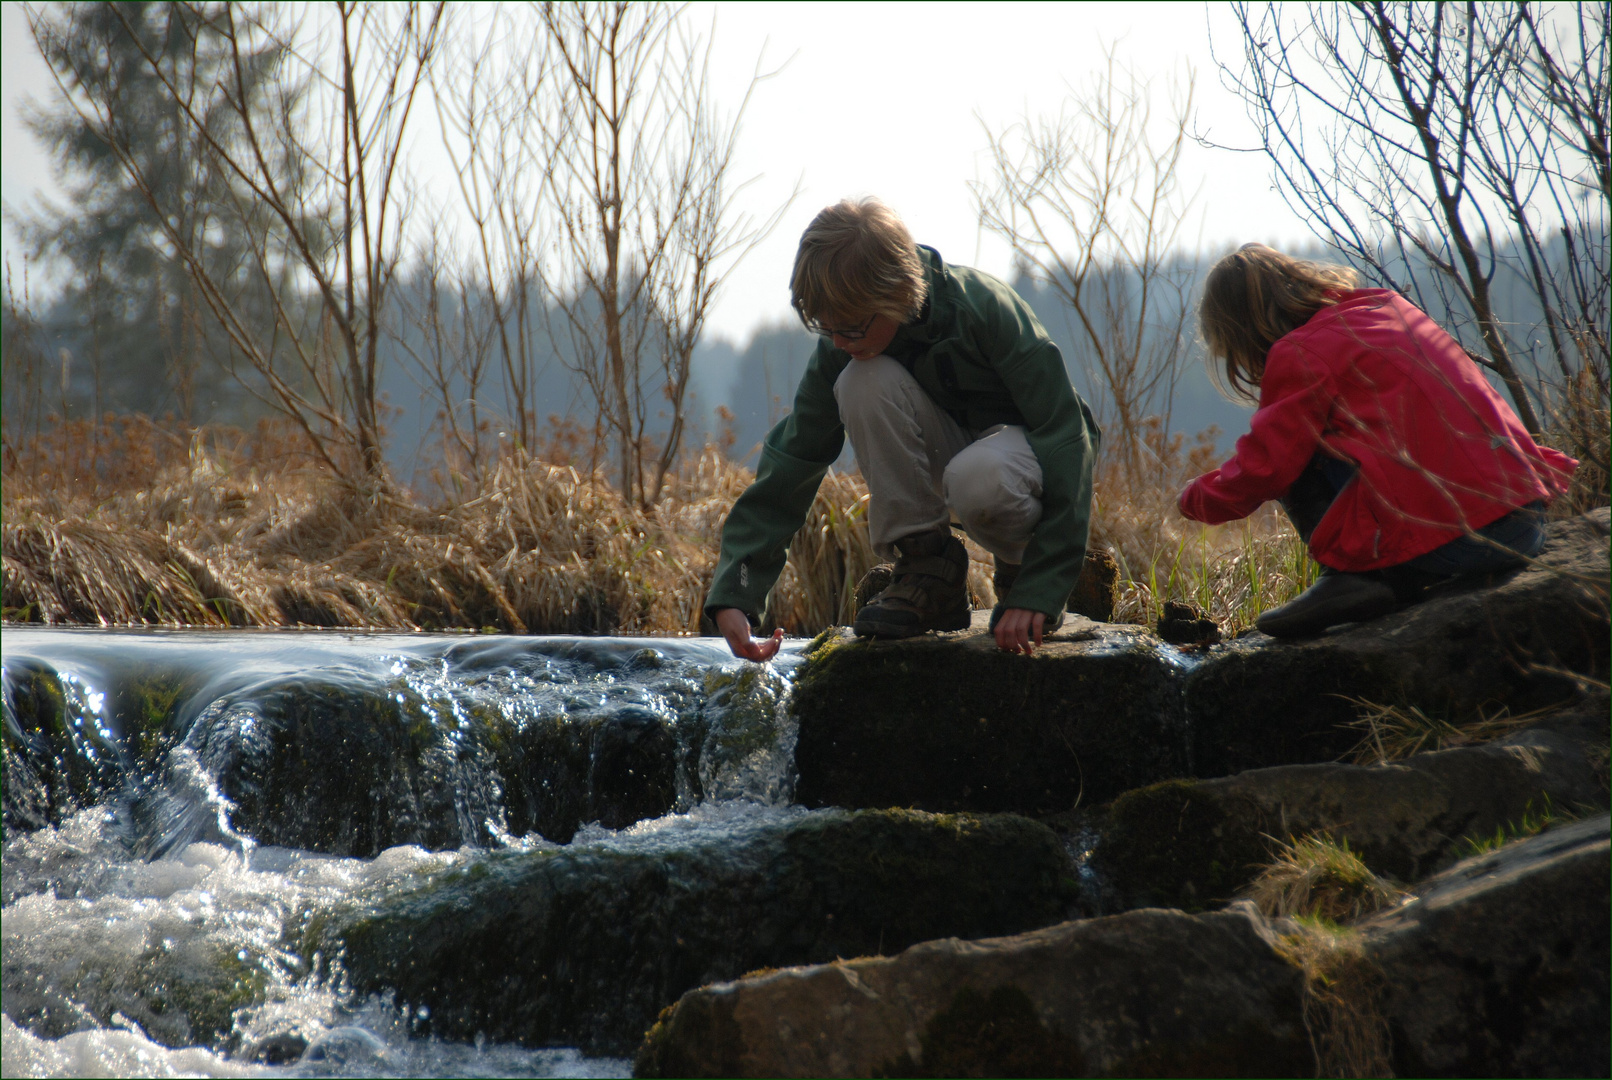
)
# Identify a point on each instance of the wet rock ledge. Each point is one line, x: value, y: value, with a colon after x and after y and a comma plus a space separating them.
x: 948, y: 722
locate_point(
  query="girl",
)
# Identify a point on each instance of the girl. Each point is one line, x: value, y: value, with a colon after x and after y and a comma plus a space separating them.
x: 1396, y: 461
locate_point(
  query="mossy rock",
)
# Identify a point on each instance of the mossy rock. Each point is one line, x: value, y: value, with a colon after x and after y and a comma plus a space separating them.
x: 561, y: 773
x: 319, y: 765
x: 61, y: 754
x: 1180, y: 844
x: 1500, y: 967
x: 585, y: 945
x: 1144, y: 993
x: 950, y: 722
x: 350, y: 768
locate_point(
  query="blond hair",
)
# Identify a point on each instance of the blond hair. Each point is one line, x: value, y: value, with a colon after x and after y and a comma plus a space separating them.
x: 856, y: 260
x: 1256, y: 295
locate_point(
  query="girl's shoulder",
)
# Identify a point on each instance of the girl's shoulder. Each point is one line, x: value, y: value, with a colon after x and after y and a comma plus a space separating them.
x: 1358, y: 312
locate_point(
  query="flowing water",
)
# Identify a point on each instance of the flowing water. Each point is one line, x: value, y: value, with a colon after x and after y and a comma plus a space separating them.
x: 182, y: 806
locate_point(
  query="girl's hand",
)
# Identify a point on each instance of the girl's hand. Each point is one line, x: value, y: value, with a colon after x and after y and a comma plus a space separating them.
x: 735, y: 627
x: 1019, y: 630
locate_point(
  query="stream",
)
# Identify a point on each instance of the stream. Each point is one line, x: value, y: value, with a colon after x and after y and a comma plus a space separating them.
x: 185, y: 809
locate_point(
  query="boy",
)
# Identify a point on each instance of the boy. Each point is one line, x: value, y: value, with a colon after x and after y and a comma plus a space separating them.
x: 956, y: 403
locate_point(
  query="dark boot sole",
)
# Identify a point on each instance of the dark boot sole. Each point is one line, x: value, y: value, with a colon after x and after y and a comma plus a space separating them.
x: 878, y: 628
x: 1301, y: 619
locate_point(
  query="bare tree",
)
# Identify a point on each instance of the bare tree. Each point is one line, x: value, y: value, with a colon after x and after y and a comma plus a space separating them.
x: 630, y: 231
x: 1458, y: 153
x: 485, y: 93
x: 312, y: 189
x: 443, y: 333
x: 1092, y: 206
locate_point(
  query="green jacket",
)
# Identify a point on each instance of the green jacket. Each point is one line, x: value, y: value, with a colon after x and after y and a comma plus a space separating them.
x: 981, y: 354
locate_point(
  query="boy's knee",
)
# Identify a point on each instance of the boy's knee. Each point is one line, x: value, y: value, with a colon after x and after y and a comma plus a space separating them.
x: 973, y: 485
x: 992, y: 483
x: 866, y: 384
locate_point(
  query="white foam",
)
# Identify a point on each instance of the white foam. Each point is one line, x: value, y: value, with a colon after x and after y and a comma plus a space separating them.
x: 109, y: 1052
x: 97, y: 937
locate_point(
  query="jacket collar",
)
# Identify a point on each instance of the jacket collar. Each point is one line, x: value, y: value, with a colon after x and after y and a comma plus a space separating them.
x: 938, y: 315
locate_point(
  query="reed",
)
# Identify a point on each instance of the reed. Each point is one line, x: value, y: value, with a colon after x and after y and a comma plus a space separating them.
x: 1232, y: 571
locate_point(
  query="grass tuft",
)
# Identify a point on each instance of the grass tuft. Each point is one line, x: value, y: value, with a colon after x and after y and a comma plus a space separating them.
x: 1318, y: 877
x: 1532, y: 823
x: 1232, y: 572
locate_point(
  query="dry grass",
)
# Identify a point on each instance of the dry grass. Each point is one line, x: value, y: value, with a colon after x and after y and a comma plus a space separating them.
x: 1580, y: 421
x: 222, y: 535
x: 130, y: 522
x: 1320, y: 878
x: 1342, y: 995
x: 1396, y: 732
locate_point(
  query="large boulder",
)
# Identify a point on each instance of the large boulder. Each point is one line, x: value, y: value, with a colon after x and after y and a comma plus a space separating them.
x: 1196, y: 843
x: 1146, y: 993
x: 584, y: 945
x: 1499, y: 967
x: 1526, y: 639
x: 951, y: 722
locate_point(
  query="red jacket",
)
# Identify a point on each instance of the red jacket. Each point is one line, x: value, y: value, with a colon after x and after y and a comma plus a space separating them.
x: 1374, y: 381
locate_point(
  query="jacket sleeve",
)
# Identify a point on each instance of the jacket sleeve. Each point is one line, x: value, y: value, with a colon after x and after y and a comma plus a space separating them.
x: 794, y: 458
x: 1283, y: 435
x: 1063, y: 435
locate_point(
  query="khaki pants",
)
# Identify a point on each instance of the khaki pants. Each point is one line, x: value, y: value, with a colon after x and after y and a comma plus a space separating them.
x: 922, y: 467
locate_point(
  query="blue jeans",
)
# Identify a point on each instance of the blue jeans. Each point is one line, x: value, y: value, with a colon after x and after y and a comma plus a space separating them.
x: 1500, y: 545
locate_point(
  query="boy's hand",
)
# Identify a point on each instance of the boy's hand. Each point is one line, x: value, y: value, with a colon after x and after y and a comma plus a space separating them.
x: 1019, y: 630
x: 735, y: 626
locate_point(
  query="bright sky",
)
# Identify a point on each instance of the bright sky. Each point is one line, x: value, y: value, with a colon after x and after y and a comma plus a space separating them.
x: 880, y: 99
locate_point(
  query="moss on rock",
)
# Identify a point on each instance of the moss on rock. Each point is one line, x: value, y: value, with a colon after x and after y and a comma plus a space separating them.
x: 59, y: 755
x: 1522, y: 640
x: 1181, y: 844
x: 586, y: 945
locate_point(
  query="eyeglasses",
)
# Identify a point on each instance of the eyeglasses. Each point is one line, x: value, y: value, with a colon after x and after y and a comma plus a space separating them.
x: 844, y: 335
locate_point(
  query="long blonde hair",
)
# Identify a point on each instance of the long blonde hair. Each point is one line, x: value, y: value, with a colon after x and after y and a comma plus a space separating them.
x: 1256, y: 295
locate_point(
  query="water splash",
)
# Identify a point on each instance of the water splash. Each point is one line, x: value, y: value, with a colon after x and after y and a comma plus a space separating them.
x: 157, y: 931
x: 186, y: 965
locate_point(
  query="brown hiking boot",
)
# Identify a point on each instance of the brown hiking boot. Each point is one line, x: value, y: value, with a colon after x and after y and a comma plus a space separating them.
x: 1002, y: 580
x: 929, y: 592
